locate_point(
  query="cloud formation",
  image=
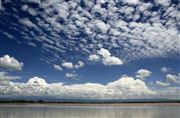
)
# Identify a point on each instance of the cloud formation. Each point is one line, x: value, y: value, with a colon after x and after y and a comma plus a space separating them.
x: 71, y: 75
x: 10, y: 63
x: 94, y: 57
x: 163, y: 84
x: 124, y: 87
x: 165, y: 69
x: 105, y: 56
x: 143, y: 73
x: 130, y: 29
x: 57, y: 67
x: 70, y: 65
x: 5, y: 77
x: 173, y: 78
x: 79, y: 64
x: 170, y: 80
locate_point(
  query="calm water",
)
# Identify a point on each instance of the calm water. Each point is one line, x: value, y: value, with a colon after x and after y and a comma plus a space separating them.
x: 45, y: 111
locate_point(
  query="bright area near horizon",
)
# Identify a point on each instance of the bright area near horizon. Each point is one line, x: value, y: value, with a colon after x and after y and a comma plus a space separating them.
x: 89, y: 49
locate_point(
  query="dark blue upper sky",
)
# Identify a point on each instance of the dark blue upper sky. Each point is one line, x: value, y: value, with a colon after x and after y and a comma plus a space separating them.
x: 79, y: 42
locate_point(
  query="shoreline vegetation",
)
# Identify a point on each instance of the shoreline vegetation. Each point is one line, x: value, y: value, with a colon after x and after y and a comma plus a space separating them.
x: 39, y: 102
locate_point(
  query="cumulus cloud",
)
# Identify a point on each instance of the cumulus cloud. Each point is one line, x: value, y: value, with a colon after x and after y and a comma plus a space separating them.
x: 112, y: 61
x: 125, y: 87
x: 68, y: 65
x: 105, y: 56
x: 6, y: 83
x: 171, y: 78
x: 57, y: 67
x: 10, y: 63
x: 94, y: 57
x: 104, y: 53
x: 131, y: 29
x: 36, y: 81
x: 143, y: 73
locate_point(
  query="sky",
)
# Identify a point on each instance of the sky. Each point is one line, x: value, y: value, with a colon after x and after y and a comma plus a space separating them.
x: 82, y: 49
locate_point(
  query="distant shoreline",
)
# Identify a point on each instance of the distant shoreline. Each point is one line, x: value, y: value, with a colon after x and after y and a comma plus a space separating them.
x: 89, y: 103
x: 98, y: 104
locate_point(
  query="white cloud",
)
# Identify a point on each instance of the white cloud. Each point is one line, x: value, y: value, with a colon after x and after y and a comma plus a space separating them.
x: 169, y: 92
x: 152, y: 32
x: 131, y: 1
x: 163, y: 2
x: 57, y: 67
x: 163, y: 84
x: 171, y: 78
x: 1, y: 7
x: 71, y: 75
x: 143, y: 73
x: 105, y: 56
x: 94, y: 57
x: 125, y: 87
x: 5, y: 77
x: 36, y: 81
x: 112, y: 61
x: 79, y: 64
x: 101, y: 26
x: 27, y: 22
x: 10, y: 63
x: 68, y: 65
x: 104, y: 53
x: 165, y: 69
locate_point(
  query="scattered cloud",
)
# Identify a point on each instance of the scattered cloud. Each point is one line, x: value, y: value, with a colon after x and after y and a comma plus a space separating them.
x: 112, y: 61
x: 94, y: 57
x: 71, y: 75
x: 165, y: 69
x: 171, y: 78
x: 68, y: 65
x: 57, y: 67
x: 143, y: 73
x: 5, y: 77
x: 27, y: 22
x: 79, y: 64
x: 105, y: 56
x: 10, y: 63
x: 163, y: 84
x: 130, y: 29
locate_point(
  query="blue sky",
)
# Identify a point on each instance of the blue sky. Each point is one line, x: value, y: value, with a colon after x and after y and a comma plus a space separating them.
x: 90, y: 49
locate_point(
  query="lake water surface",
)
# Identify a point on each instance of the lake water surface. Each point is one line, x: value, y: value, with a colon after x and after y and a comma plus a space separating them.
x: 95, y: 111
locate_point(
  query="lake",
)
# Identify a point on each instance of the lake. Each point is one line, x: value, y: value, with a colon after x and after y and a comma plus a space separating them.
x: 89, y: 111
